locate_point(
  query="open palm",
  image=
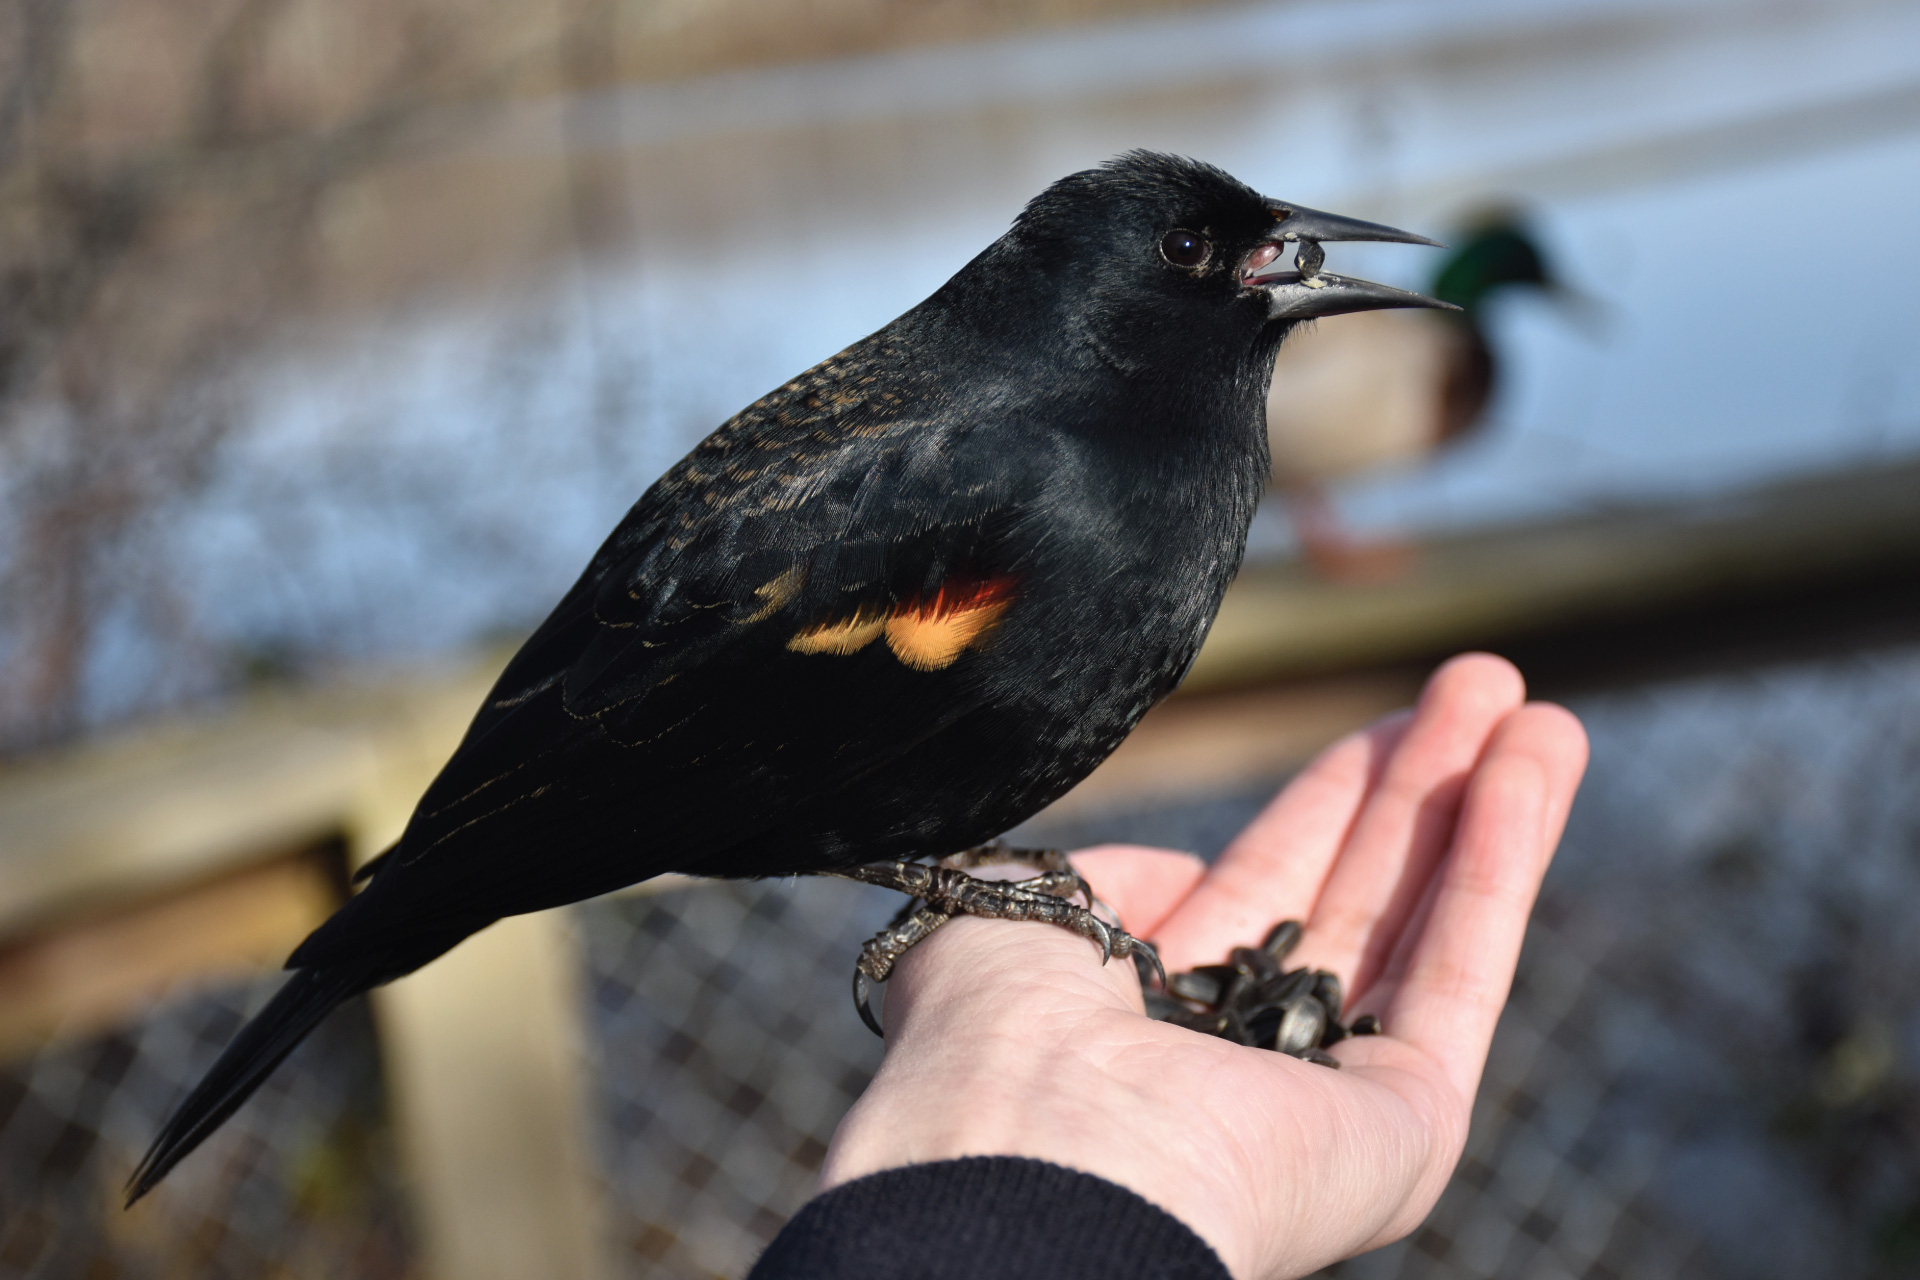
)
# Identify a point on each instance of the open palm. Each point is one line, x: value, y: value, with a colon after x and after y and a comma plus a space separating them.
x: 1412, y: 850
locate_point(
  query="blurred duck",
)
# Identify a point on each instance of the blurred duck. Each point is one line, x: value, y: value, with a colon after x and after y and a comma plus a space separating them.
x: 1385, y: 388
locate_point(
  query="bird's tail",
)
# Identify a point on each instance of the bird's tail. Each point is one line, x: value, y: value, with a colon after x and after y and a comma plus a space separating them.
x: 273, y: 1033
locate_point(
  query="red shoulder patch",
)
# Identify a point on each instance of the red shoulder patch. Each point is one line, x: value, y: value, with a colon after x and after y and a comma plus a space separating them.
x: 926, y: 634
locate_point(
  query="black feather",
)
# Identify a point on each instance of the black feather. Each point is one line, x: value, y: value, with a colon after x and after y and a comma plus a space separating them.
x: 273, y: 1033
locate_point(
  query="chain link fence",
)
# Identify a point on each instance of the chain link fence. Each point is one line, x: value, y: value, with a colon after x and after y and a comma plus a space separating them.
x: 299, y: 1183
x: 1707, y: 1069
x: 727, y: 1050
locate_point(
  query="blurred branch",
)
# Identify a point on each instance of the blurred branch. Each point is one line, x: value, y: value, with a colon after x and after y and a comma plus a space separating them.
x: 40, y: 31
x: 154, y: 233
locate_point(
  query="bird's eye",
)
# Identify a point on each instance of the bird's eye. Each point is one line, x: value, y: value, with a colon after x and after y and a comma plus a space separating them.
x: 1185, y: 248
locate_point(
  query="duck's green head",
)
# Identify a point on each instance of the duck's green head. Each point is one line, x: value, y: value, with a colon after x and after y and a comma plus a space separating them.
x: 1497, y: 251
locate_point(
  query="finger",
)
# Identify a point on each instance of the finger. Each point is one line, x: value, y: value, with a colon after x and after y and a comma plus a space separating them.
x: 1540, y: 730
x: 1274, y: 869
x: 1142, y: 885
x: 1407, y: 821
x: 1444, y: 989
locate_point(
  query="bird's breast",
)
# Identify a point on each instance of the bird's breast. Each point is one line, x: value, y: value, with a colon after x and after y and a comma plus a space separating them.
x: 1124, y: 588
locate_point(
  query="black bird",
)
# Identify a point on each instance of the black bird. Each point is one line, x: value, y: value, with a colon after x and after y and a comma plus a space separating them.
x: 886, y: 612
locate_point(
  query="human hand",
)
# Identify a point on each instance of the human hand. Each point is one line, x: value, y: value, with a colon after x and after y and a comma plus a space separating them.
x: 1412, y: 851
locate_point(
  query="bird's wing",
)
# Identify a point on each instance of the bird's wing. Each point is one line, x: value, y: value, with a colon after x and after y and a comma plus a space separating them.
x: 707, y: 670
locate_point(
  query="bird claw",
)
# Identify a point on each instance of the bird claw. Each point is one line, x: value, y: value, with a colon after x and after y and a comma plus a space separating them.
x: 1145, y: 951
x: 862, y: 1001
x: 1102, y: 937
x: 939, y: 891
x: 877, y: 958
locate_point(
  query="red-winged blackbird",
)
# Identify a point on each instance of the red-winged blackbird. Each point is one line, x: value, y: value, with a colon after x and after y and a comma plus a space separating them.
x: 890, y: 610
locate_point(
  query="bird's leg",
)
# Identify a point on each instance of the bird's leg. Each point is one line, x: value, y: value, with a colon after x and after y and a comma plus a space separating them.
x: 948, y: 891
x: 1055, y: 870
x: 1056, y: 876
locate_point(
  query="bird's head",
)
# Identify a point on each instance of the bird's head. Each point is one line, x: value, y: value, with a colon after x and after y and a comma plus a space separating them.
x: 1150, y: 250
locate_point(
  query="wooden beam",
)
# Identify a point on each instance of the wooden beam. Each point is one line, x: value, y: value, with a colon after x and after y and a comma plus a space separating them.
x: 121, y: 818
x: 485, y: 1066
x: 84, y: 975
x: 1281, y: 622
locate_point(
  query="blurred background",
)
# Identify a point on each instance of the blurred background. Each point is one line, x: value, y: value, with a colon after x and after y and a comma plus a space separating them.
x: 333, y: 336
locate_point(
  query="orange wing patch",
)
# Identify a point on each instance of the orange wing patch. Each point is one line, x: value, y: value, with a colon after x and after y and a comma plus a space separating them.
x: 850, y: 636
x: 926, y: 634
x: 930, y: 634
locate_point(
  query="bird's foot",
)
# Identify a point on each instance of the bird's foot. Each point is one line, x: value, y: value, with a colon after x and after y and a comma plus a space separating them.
x: 1054, y: 869
x: 942, y: 890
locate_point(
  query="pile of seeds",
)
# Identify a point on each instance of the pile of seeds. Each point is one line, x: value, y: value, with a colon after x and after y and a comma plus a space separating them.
x: 1251, y: 1000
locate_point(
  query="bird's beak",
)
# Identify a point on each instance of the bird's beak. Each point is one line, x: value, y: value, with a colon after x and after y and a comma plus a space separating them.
x: 1293, y: 296
x: 1295, y: 223
x: 1302, y: 294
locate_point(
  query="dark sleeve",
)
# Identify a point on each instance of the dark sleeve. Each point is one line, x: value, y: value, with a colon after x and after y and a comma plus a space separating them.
x: 985, y: 1218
